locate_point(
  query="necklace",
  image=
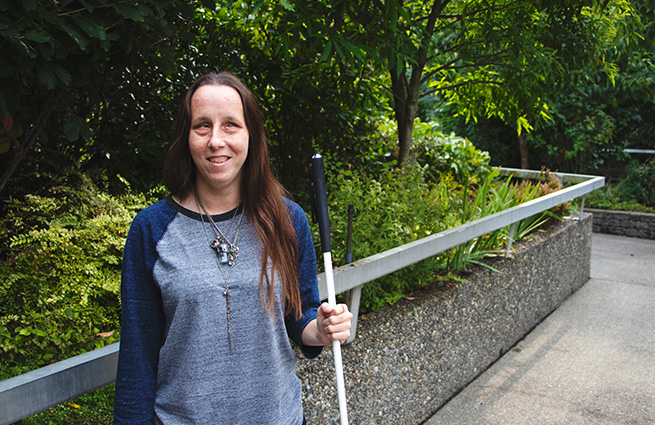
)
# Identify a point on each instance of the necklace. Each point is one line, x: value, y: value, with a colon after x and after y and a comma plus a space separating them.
x: 226, y: 252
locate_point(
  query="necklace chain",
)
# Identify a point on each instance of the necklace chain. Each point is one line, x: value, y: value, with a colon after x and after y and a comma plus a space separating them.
x: 226, y: 252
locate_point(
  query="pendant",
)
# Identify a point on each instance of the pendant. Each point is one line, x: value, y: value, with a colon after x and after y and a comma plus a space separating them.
x: 215, y: 243
x: 232, y: 257
x: 224, y: 251
x: 227, y: 253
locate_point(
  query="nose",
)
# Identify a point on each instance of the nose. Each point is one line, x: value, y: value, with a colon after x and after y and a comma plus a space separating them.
x: 217, y: 139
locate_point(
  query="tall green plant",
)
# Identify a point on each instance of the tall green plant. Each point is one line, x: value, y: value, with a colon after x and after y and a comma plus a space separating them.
x: 493, y: 196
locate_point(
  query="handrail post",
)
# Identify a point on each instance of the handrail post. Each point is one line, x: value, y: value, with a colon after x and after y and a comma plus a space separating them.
x: 510, y: 239
x: 582, y: 207
x: 354, y: 297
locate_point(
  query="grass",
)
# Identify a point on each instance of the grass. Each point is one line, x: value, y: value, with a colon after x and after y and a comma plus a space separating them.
x: 90, y: 409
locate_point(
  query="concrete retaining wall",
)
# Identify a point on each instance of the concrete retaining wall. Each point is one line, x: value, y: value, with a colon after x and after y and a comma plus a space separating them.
x: 624, y: 223
x: 410, y: 358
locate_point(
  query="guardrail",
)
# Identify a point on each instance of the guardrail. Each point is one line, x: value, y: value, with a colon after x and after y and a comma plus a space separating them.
x: 35, y: 391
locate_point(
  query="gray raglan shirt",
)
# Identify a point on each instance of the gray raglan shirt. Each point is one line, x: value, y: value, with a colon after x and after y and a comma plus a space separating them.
x: 175, y: 361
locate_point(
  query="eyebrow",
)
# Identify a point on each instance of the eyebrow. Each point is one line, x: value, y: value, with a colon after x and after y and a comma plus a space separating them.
x: 228, y: 118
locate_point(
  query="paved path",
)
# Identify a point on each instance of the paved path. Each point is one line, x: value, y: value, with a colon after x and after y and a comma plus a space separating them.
x: 592, y: 361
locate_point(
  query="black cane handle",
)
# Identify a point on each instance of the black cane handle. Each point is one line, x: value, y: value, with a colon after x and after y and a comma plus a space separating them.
x: 320, y: 194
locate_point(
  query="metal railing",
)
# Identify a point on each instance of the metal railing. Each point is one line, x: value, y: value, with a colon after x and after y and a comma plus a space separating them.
x: 35, y: 391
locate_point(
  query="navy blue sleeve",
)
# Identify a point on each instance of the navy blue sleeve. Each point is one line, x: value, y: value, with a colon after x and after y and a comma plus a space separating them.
x: 142, y: 322
x: 307, y: 281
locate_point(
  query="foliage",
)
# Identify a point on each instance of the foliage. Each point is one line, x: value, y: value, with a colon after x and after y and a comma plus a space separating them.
x: 608, y: 197
x: 66, y: 69
x: 490, y: 58
x: 639, y: 183
x: 449, y: 154
x: 590, y: 119
x: 401, y: 205
x: 494, y: 196
x: 438, y: 153
x: 106, y: 77
x: 394, y: 209
x: 60, y: 271
x: 634, y: 192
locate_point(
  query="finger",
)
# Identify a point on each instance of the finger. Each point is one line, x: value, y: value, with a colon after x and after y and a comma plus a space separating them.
x: 337, y: 328
x: 340, y: 336
x: 326, y: 309
x: 334, y: 310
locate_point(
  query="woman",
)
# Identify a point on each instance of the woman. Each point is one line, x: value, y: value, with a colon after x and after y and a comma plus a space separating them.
x: 217, y: 277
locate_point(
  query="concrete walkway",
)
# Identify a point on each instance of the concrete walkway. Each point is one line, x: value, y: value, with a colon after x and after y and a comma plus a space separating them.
x: 592, y: 361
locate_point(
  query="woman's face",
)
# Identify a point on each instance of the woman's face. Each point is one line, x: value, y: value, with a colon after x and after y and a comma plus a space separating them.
x: 218, y: 139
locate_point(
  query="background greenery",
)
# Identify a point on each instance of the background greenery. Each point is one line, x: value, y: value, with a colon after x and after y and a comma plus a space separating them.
x: 409, y: 101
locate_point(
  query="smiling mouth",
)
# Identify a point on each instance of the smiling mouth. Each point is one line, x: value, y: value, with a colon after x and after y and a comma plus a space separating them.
x: 218, y: 160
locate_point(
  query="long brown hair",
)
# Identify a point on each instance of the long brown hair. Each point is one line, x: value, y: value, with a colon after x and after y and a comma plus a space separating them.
x: 261, y: 193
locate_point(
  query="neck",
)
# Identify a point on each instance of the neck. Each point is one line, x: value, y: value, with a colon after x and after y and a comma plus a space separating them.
x: 214, y: 202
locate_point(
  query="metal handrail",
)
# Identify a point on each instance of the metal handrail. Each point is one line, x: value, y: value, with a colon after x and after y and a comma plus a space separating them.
x: 355, y: 274
x: 35, y: 391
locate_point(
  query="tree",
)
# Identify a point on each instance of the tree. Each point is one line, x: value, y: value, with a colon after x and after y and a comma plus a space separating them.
x: 309, y: 105
x: 62, y: 64
x: 491, y: 58
x: 597, y: 115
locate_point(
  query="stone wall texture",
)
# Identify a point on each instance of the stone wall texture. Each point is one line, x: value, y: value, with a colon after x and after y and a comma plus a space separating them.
x: 410, y: 358
x: 624, y: 223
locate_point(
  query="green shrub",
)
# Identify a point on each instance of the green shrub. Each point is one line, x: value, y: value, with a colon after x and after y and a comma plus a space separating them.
x: 401, y: 206
x: 450, y: 155
x: 639, y: 183
x: 495, y: 195
x: 438, y: 153
x: 394, y: 209
x: 634, y: 192
x: 60, y: 272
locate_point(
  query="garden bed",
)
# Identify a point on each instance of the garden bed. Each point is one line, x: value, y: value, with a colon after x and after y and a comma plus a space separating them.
x: 624, y: 223
x: 412, y: 357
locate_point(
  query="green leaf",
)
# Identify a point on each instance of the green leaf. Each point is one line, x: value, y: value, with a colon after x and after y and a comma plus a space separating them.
x: 38, y: 36
x: 287, y: 5
x: 326, y: 51
x: 92, y: 29
x: 79, y: 38
x: 47, y: 77
x: 63, y: 75
x: 130, y: 12
x: 46, y: 15
x: 73, y: 127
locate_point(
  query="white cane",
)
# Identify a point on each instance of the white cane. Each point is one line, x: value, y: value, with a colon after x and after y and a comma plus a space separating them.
x: 324, y: 229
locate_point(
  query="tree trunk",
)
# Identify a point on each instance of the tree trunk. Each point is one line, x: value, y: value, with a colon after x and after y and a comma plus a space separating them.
x: 405, y: 130
x: 405, y: 110
x: 406, y: 89
x: 29, y: 141
x: 523, y: 145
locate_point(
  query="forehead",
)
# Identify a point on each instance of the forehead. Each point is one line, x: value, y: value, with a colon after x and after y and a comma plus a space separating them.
x: 217, y: 99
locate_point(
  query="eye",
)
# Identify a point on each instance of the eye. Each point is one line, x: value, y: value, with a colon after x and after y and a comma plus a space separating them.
x: 201, y: 129
x: 232, y: 126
